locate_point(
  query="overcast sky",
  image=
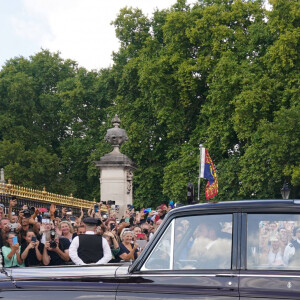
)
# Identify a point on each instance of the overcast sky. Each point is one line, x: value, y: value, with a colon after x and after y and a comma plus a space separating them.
x: 79, y: 29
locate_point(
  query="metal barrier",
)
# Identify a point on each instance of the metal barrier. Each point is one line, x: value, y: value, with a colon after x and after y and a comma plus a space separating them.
x: 39, y: 199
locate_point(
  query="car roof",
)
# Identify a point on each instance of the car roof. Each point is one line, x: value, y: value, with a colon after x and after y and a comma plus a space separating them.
x: 238, y: 205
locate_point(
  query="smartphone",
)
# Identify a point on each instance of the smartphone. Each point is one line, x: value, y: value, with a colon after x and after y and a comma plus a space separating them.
x: 131, y: 220
x: 147, y: 210
x: 127, y: 219
x: 112, y: 226
x: 15, y: 240
x: 33, y: 238
x: 141, y: 236
x: 96, y: 207
x: 46, y: 221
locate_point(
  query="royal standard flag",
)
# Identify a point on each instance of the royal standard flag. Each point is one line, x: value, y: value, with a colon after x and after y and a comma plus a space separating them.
x: 208, y: 172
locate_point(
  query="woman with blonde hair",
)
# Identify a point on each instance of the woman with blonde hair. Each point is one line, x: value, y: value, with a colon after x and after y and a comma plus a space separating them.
x: 128, y: 248
x: 67, y: 230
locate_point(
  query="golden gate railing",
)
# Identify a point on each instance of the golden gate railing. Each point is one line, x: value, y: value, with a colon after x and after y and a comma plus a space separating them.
x: 43, y: 196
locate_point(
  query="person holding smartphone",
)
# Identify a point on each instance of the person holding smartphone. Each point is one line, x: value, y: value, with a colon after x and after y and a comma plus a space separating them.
x: 31, y: 250
x: 11, y: 251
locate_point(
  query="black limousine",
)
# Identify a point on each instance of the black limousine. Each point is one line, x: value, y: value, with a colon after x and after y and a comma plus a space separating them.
x: 229, y: 250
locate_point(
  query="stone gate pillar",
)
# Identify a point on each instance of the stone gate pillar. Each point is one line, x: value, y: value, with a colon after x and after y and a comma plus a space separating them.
x: 116, y: 170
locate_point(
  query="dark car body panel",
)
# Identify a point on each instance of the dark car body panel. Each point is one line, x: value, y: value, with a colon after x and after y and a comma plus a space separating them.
x: 128, y: 281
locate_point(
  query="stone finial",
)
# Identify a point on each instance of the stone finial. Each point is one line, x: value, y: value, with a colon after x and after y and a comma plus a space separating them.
x: 116, y: 136
x: 116, y: 121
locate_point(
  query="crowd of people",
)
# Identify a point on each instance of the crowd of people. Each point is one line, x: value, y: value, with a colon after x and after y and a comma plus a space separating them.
x: 278, y: 244
x: 40, y: 237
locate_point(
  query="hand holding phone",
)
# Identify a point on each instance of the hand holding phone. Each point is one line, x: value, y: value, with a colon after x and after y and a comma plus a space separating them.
x: 141, y: 236
x: 15, y: 240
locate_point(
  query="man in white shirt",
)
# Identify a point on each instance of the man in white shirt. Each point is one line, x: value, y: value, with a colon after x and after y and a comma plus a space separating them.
x: 291, y: 256
x: 90, y: 248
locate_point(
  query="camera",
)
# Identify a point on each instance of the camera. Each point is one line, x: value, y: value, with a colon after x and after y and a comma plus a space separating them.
x: 27, y: 213
x: 52, y: 241
x: 53, y: 244
x: 111, y: 202
x: 33, y: 239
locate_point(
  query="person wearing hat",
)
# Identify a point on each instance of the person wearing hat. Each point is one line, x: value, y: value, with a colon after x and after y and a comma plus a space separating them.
x: 90, y: 248
x: 291, y: 254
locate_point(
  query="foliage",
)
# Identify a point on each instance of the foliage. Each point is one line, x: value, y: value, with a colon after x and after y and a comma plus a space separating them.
x: 218, y: 72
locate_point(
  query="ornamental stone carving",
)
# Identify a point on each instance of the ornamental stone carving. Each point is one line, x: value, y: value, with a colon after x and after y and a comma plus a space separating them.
x: 116, y: 136
x: 129, y: 181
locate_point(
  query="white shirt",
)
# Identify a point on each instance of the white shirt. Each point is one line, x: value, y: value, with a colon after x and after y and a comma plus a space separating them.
x: 78, y: 261
x: 289, y: 252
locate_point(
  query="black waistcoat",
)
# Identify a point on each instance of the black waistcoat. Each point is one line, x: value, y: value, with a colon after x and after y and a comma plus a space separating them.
x: 90, y: 248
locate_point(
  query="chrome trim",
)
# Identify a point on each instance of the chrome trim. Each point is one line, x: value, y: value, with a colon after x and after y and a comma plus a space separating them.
x: 66, y: 272
x: 213, y: 275
x: 182, y: 275
x: 269, y: 275
x: 172, y: 244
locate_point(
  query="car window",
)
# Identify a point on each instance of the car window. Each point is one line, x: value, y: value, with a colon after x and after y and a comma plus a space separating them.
x: 194, y: 242
x: 273, y: 241
x: 160, y: 257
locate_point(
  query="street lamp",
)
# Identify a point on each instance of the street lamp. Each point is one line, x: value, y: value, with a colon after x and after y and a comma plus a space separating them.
x: 285, y: 191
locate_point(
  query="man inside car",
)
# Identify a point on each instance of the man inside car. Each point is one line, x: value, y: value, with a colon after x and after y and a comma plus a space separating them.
x: 291, y: 254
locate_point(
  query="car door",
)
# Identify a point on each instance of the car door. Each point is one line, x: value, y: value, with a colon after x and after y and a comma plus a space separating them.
x: 194, y: 258
x: 270, y: 270
x: 64, y: 282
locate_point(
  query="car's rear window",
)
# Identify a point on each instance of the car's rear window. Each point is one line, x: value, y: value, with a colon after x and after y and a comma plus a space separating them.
x: 273, y: 241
